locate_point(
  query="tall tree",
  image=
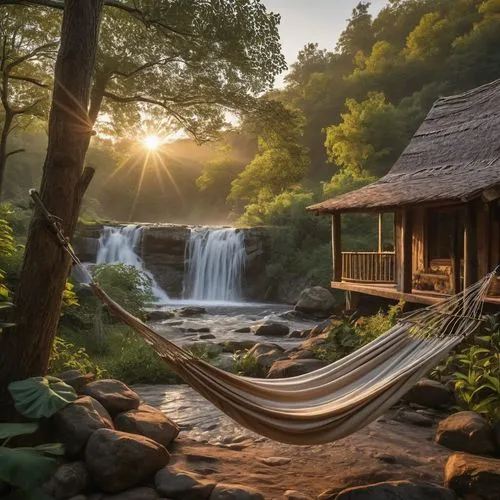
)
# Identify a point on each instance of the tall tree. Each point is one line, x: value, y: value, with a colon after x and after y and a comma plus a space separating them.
x: 251, y: 35
x: 28, y: 41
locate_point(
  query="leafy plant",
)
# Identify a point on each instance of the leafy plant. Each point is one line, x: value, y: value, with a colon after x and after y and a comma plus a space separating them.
x: 28, y: 468
x: 245, y: 365
x: 473, y: 370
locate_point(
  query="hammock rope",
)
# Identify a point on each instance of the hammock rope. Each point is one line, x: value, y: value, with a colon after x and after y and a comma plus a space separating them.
x: 331, y: 402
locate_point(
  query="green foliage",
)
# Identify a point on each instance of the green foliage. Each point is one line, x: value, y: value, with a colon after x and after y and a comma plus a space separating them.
x: 349, y: 334
x: 245, y: 365
x: 67, y: 356
x: 39, y: 397
x: 473, y: 370
x: 126, y: 284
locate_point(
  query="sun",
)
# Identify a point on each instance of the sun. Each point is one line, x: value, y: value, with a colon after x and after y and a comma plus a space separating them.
x: 152, y: 142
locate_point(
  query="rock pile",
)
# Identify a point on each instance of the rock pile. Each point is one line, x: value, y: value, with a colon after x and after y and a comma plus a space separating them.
x: 116, y: 449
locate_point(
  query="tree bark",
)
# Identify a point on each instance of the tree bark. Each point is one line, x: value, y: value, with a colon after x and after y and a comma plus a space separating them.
x: 3, y: 144
x: 25, y: 349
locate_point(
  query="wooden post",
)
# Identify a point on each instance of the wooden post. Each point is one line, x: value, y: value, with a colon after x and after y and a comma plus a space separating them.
x: 455, y: 257
x: 470, y: 246
x: 406, y: 253
x: 380, y: 232
x: 336, y: 247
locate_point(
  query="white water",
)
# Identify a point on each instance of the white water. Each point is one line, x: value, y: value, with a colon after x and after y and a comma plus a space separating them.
x: 216, y: 262
x: 120, y: 244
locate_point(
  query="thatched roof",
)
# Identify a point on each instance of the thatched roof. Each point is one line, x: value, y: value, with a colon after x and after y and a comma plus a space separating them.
x: 453, y: 157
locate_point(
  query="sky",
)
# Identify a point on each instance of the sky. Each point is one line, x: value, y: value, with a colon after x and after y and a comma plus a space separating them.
x: 320, y: 21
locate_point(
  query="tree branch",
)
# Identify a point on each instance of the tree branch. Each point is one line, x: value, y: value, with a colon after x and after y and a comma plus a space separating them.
x: 132, y: 10
x: 143, y: 67
x: 163, y: 104
x: 12, y: 153
x: 28, y: 79
x: 29, y: 55
x: 25, y: 109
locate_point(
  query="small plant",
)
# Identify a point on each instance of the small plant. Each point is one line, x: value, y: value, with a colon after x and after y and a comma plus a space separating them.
x: 28, y: 468
x: 473, y: 370
x: 245, y: 365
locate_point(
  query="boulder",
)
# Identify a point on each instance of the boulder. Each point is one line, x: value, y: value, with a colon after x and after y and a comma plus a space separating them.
x: 244, y: 329
x: 233, y: 346
x: 69, y: 480
x: 299, y: 334
x: 272, y: 329
x: 191, y: 311
x: 311, y: 343
x: 235, y: 492
x: 466, y: 431
x: 316, y: 300
x: 118, y: 461
x: 294, y: 367
x: 159, y: 315
x: 496, y: 435
x: 149, y: 422
x: 182, y: 485
x: 472, y: 476
x: 302, y: 355
x: 206, y: 336
x: 114, y: 395
x: 141, y: 493
x: 430, y: 394
x: 397, y: 490
x: 76, y: 378
x: 412, y: 417
x: 265, y: 355
x: 74, y: 424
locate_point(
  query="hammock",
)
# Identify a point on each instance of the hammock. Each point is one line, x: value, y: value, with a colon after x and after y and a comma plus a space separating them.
x: 334, y: 401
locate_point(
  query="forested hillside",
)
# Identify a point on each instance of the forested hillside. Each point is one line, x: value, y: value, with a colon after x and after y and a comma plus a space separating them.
x: 352, y: 109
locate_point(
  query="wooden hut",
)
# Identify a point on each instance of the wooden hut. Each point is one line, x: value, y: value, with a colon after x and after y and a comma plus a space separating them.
x: 444, y: 193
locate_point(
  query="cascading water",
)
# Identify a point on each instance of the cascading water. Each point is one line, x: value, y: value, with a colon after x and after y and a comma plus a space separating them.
x: 120, y: 244
x: 216, y: 262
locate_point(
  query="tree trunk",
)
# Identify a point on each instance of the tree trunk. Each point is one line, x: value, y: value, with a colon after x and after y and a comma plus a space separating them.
x: 7, y: 123
x: 25, y: 349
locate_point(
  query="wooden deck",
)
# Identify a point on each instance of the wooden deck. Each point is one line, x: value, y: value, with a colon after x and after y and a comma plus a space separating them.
x: 387, y: 291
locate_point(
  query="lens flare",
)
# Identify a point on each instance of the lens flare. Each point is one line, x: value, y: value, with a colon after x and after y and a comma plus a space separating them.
x: 152, y: 142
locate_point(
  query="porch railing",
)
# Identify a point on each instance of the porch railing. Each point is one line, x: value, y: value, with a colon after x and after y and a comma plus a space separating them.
x: 369, y: 267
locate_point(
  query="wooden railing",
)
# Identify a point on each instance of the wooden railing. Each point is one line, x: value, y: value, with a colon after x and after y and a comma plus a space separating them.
x: 369, y: 267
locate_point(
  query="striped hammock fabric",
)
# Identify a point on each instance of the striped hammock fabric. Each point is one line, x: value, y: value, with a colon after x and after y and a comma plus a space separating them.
x: 337, y: 400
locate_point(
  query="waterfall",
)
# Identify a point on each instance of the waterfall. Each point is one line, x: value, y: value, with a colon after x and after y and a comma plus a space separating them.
x: 216, y: 261
x: 120, y: 244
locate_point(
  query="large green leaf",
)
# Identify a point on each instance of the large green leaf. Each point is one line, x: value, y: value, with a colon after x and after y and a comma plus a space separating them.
x: 12, y: 430
x: 25, y: 468
x: 39, y: 397
x: 48, y: 448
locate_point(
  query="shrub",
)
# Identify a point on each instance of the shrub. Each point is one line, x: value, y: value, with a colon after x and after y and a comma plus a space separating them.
x: 67, y: 356
x: 245, y: 365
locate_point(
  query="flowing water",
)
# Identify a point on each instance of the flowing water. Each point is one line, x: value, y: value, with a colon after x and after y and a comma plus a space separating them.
x: 215, y: 265
x: 121, y: 244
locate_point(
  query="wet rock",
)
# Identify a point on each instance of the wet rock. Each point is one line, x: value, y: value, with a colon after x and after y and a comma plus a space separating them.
x: 272, y: 329
x: 76, y: 378
x: 69, y: 480
x: 316, y: 300
x: 191, y: 311
x: 319, y: 329
x: 238, y: 345
x: 159, y: 315
x: 118, y: 461
x: 414, y: 418
x: 466, y: 431
x: 397, y: 490
x: 296, y: 495
x: 235, y: 492
x: 149, y: 422
x: 299, y: 334
x: 472, y: 476
x: 74, y: 424
x: 430, y: 394
x: 245, y: 329
x: 114, y: 395
x: 204, y: 329
x: 182, y: 485
x: 206, y: 336
x: 225, y: 363
x: 141, y: 493
x: 294, y: 367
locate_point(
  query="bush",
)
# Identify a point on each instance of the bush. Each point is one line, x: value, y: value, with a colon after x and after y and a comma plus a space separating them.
x: 245, y: 365
x: 473, y: 371
x: 67, y: 356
